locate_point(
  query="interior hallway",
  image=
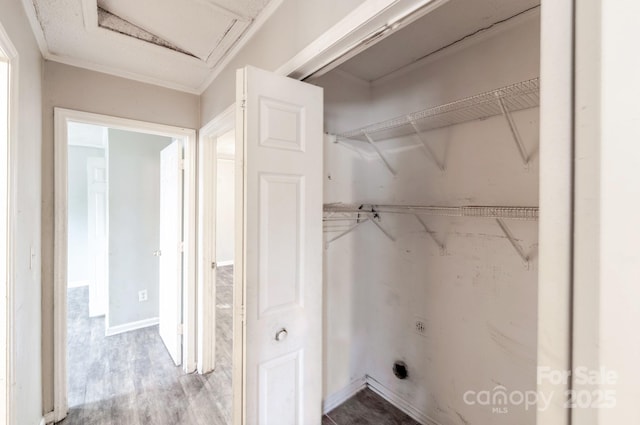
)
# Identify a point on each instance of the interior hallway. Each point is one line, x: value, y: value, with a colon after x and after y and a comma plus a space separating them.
x: 130, y: 379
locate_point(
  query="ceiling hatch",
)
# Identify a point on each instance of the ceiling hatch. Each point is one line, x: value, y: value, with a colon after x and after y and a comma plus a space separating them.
x: 204, y: 29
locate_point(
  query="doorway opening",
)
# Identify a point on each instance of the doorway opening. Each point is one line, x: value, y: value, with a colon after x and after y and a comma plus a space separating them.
x: 216, y: 253
x: 125, y: 287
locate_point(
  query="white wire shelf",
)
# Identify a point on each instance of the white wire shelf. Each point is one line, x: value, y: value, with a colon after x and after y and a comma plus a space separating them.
x: 515, y: 97
x: 345, y: 218
x: 345, y: 211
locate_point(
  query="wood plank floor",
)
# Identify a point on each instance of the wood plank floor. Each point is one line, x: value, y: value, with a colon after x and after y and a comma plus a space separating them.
x: 129, y: 379
x: 367, y: 408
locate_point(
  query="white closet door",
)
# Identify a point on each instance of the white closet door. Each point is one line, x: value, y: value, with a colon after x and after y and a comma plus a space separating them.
x: 97, y: 229
x: 281, y: 142
x: 170, y: 285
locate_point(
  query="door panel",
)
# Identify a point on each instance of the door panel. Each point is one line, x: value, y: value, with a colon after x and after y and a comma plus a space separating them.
x: 281, y: 145
x: 97, y: 230
x: 281, y: 243
x: 170, y: 285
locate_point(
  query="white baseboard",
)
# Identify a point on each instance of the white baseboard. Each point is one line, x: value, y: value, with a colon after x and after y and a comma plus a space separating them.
x: 131, y: 326
x: 399, y: 402
x: 78, y: 283
x: 48, y: 418
x: 225, y: 263
x: 336, y: 399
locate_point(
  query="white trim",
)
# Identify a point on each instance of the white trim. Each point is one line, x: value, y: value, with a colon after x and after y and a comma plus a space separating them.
x: 368, y: 24
x: 49, y: 417
x: 43, y: 421
x: 238, y: 45
x: 104, y: 69
x: 224, y: 263
x: 239, y: 331
x: 61, y: 118
x: 220, y: 124
x: 207, y: 167
x: 10, y: 52
x: 131, y: 326
x: 258, y: 22
x: 78, y: 283
x: 36, y: 29
x: 334, y: 400
x: 399, y: 402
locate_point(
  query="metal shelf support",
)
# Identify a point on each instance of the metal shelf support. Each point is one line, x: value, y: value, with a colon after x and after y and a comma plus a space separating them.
x: 374, y: 219
x: 346, y: 232
x: 427, y: 149
x: 380, y: 154
x: 514, y: 130
x: 514, y: 243
x: 441, y: 246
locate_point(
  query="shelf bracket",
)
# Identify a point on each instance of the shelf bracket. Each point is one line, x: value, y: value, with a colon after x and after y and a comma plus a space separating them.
x: 337, y: 141
x: 382, y: 157
x: 346, y: 232
x: 373, y: 217
x: 514, y: 130
x: 441, y: 246
x: 427, y: 149
x: 512, y: 239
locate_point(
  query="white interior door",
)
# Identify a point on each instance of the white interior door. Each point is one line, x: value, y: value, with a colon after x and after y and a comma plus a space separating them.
x: 97, y: 205
x: 170, y: 255
x: 280, y: 145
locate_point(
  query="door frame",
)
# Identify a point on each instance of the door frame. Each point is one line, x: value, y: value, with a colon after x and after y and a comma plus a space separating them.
x: 207, y: 179
x: 7, y: 333
x: 63, y: 116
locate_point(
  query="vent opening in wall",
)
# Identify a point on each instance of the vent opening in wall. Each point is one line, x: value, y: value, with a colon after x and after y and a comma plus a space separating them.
x: 400, y: 370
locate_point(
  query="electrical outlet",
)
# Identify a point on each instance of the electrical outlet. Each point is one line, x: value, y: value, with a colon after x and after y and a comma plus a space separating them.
x: 142, y: 295
x: 420, y: 326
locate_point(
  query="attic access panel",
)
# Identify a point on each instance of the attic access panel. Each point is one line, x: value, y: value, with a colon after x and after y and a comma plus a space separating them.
x: 203, y: 29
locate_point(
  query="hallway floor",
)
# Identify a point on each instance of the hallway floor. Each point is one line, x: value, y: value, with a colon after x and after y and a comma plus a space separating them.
x: 130, y: 379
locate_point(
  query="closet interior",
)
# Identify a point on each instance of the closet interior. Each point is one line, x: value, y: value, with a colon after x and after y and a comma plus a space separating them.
x: 430, y: 215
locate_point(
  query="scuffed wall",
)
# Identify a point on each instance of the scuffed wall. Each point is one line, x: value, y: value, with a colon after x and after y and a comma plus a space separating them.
x: 478, y: 301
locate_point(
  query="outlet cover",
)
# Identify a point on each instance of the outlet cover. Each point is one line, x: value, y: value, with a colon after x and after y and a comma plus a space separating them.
x: 142, y: 295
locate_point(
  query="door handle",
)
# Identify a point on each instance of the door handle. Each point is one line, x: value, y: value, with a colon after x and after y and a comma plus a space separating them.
x: 281, y: 334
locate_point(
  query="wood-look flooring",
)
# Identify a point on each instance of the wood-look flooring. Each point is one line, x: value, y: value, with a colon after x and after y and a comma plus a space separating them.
x: 367, y: 408
x: 130, y: 379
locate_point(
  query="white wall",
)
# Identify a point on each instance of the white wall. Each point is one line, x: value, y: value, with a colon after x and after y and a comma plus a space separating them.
x: 478, y: 301
x: 134, y: 224
x: 78, y: 259
x: 225, y: 212
x: 607, y: 170
x: 27, y: 141
x: 294, y: 25
x: 74, y: 88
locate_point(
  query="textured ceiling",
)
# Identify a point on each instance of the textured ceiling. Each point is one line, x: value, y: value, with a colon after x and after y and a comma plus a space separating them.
x: 174, y: 43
